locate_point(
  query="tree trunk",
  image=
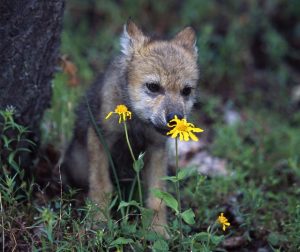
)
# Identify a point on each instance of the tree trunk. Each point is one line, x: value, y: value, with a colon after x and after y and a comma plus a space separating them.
x: 29, y: 47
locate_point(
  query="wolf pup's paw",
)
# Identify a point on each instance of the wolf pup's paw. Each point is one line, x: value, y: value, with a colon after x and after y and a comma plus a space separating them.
x: 160, y: 229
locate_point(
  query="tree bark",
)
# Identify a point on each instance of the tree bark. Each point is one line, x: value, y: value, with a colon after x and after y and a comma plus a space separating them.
x: 29, y: 48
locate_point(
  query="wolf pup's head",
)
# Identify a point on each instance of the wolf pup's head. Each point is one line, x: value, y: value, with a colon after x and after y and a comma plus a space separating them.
x: 162, y: 75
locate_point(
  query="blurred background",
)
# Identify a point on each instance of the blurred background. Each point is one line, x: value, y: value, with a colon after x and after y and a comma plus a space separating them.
x: 249, y: 51
x: 249, y: 57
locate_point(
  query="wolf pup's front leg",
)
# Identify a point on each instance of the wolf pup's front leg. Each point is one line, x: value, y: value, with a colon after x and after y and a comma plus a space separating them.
x: 154, y: 171
x: 100, y: 186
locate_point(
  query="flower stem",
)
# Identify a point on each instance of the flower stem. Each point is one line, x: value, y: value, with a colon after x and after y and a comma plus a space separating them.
x: 131, y: 193
x: 140, y: 188
x: 178, y: 192
x: 128, y: 143
x: 134, y: 160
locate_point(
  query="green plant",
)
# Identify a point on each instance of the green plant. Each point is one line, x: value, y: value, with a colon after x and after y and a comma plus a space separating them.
x: 14, y: 188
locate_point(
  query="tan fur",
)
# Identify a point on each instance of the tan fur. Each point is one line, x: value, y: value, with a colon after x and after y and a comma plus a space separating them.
x: 172, y: 65
x: 99, y: 179
x: 155, y: 170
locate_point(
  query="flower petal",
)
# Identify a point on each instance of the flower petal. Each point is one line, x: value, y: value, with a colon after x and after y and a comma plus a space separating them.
x: 186, y: 136
x: 108, y: 115
x: 171, y: 132
x: 193, y: 136
x: 197, y: 130
x: 175, y: 133
x: 180, y: 136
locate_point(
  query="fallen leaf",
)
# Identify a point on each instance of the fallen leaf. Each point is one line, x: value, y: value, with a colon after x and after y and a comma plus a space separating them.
x: 70, y: 69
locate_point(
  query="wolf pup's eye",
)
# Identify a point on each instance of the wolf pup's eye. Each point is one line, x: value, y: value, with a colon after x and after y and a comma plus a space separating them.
x: 186, y: 91
x: 154, y: 87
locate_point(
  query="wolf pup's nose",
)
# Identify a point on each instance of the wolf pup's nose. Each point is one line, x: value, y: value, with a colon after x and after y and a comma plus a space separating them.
x: 171, y: 116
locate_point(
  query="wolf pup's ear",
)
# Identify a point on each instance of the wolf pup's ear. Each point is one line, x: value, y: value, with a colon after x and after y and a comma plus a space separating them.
x: 187, y: 39
x: 132, y: 38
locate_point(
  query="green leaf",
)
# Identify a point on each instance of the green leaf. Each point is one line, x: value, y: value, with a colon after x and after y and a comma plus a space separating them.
x: 128, y: 228
x: 6, y: 141
x: 12, y: 162
x: 202, y: 237
x: 121, y: 241
x: 113, y: 203
x: 216, y: 240
x: 137, y: 247
x: 170, y: 178
x: 188, y: 216
x: 160, y: 245
x: 185, y: 173
x: 182, y: 174
x: 112, y: 225
x: 205, y: 237
x: 11, y: 157
x: 23, y: 149
x: 29, y: 141
x: 167, y: 198
x: 126, y: 204
x: 150, y: 236
x: 139, y: 163
x: 147, y: 217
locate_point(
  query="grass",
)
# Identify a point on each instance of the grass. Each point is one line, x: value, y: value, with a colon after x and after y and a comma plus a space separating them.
x: 260, y: 196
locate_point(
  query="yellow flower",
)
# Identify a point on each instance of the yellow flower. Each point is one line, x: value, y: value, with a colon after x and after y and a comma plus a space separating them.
x: 223, y: 221
x: 183, y: 129
x: 122, y: 111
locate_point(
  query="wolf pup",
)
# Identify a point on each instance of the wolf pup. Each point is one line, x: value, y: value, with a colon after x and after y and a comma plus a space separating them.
x: 156, y: 80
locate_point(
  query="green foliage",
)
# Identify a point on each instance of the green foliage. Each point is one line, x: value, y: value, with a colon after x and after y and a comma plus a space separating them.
x: 169, y: 200
x: 188, y: 216
x: 60, y: 227
x: 12, y: 145
x: 262, y: 152
x: 206, y: 241
x: 139, y: 163
x: 160, y: 245
x: 58, y: 121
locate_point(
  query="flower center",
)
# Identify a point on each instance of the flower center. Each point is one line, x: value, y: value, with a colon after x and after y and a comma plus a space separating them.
x: 121, y: 109
x: 181, y: 126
